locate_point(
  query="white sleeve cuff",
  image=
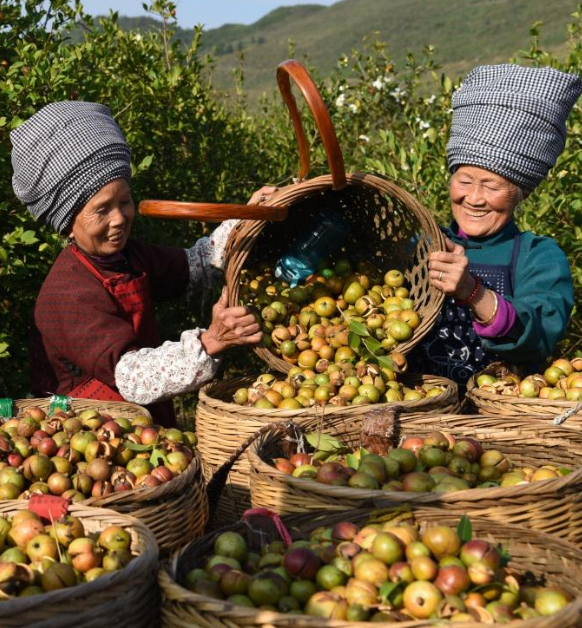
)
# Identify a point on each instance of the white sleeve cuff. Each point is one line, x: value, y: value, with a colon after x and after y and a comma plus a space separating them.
x: 150, y: 375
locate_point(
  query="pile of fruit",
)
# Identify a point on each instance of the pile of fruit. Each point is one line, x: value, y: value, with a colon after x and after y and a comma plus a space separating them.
x: 438, y: 462
x: 561, y: 380
x: 381, y: 572
x: 342, y: 384
x: 313, y: 321
x: 37, y: 558
x: 87, y: 455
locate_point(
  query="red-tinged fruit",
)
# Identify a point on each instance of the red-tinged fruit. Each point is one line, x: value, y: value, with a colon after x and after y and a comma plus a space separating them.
x: 301, y: 563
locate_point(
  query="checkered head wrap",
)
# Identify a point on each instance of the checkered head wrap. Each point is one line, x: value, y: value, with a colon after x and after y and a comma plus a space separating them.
x: 511, y: 120
x: 63, y: 155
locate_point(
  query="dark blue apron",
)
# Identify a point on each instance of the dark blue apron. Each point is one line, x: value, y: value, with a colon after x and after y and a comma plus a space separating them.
x: 452, y: 348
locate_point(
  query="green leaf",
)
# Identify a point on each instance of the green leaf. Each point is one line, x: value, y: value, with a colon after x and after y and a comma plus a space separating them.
x: 157, y: 457
x: 388, y: 362
x: 363, y: 452
x: 323, y: 442
x: 465, y: 529
x: 505, y: 555
x: 354, y: 341
x: 372, y: 344
x: 29, y: 237
x: 145, y: 163
x: 359, y: 328
x: 389, y: 590
x: 135, y: 447
x: 352, y: 461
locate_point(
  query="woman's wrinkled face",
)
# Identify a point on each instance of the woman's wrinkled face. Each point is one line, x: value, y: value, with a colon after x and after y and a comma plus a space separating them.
x: 102, y: 227
x: 482, y: 202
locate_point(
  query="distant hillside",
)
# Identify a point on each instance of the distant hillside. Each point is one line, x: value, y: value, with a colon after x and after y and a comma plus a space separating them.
x: 463, y: 32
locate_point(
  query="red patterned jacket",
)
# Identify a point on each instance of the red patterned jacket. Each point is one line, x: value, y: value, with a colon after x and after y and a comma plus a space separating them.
x: 78, y: 330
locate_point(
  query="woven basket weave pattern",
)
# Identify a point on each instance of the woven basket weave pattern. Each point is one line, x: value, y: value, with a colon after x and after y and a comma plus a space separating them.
x: 553, y: 560
x: 384, y: 222
x: 116, y: 409
x: 551, y: 506
x: 222, y: 426
x: 125, y: 599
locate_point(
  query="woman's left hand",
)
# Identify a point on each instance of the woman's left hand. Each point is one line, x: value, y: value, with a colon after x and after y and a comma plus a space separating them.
x: 260, y: 196
x: 449, y: 271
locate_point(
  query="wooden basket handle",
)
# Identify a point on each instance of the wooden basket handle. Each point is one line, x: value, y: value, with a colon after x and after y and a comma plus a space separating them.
x: 211, y: 212
x: 295, y: 70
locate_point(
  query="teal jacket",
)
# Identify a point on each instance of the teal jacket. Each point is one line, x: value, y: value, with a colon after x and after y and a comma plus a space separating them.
x: 543, y: 292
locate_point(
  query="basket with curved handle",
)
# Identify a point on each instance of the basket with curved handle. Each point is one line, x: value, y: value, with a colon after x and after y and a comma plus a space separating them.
x: 211, y: 212
x: 292, y: 69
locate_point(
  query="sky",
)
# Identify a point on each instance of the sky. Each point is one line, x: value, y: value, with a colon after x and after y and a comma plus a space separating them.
x: 211, y: 13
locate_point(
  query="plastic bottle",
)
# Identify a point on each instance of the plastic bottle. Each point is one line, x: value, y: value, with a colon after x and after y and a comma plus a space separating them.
x: 321, y: 237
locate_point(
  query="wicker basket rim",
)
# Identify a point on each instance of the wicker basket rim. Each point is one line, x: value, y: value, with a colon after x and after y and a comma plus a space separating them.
x: 80, y: 400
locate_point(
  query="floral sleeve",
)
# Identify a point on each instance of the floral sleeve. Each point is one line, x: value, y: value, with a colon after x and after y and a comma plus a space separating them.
x: 149, y: 375
x: 206, y: 259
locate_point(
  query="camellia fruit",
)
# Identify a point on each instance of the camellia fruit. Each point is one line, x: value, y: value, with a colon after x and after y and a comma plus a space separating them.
x: 442, y: 541
x: 421, y: 599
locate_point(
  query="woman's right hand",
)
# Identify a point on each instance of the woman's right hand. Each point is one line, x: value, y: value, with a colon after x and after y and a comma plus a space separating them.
x: 230, y: 327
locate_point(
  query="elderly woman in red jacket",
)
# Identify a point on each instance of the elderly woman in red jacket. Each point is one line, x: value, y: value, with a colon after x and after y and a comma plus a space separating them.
x: 94, y: 334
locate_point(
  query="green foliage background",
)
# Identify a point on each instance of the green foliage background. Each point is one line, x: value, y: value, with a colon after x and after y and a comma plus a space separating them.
x: 188, y: 145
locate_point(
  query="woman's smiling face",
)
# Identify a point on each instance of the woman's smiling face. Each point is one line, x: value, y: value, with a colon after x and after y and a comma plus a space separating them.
x: 101, y: 228
x: 482, y: 202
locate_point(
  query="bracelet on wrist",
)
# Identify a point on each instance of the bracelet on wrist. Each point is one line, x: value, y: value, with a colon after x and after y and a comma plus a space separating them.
x: 495, y: 308
x: 473, y: 294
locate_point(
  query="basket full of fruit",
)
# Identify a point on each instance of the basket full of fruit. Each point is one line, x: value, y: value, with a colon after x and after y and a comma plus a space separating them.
x: 123, y: 462
x: 66, y: 566
x: 346, y: 274
x: 519, y: 471
x: 111, y: 408
x: 555, y: 394
x: 394, y: 568
x: 231, y: 411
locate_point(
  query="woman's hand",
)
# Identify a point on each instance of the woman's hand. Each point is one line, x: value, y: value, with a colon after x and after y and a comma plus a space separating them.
x: 230, y: 327
x: 449, y: 271
x: 260, y: 196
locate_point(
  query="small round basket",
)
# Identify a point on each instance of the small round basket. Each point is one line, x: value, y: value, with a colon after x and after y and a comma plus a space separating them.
x: 128, y: 598
x: 116, y: 409
x: 176, y: 511
x: 548, y: 559
x: 223, y: 426
x: 548, y: 410
x: 550, y: 506
x: 387, y: 226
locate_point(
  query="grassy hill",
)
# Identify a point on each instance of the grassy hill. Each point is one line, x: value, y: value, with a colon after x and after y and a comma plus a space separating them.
x: 463, y: 32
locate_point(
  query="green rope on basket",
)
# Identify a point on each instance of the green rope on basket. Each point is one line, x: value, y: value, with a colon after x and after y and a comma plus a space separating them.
x: 59, y: 402
x: 6, y: 408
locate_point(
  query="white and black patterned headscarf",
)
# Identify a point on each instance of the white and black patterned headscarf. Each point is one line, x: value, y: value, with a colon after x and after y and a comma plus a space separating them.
x: 63, y: 155
x: 511, y: 120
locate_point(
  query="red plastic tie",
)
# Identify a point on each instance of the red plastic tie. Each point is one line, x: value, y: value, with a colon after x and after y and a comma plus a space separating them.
x: 48, y: 507
x: 264, y: 512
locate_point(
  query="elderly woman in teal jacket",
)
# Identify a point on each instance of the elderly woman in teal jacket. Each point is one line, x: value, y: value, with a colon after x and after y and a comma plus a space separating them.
x: 509, y: 293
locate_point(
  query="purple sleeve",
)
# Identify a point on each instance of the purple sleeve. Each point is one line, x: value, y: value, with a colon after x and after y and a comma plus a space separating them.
x: 502, y: 323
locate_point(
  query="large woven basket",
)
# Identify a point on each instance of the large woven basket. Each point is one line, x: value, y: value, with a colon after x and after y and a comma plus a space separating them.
x: 223, y: 426
x: 388, y: 227
x: 116, y: 409
x: 505, y: 406
x: 551, y: 506
x: 553, y: 560
x: 125, y: 599
x: 176, y: 511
